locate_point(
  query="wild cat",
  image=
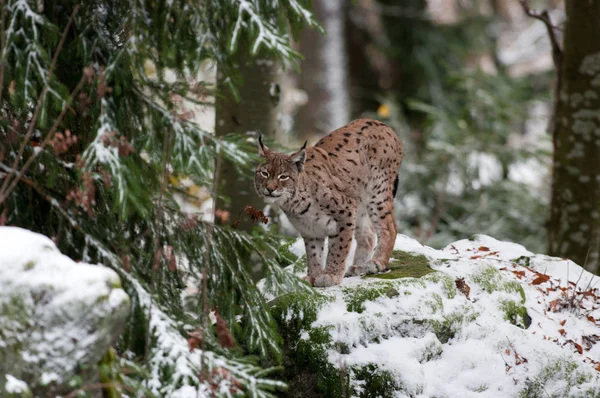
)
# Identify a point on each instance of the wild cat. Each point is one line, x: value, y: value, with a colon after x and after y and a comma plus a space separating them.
x: 343, y: 185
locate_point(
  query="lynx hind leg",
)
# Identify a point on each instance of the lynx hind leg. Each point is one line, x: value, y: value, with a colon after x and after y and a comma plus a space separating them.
x: 364, y: 233
x: 314, y: 258
x: 381, y: 213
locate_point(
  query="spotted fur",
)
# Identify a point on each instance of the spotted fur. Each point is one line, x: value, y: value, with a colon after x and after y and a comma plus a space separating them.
x: 342, y: 186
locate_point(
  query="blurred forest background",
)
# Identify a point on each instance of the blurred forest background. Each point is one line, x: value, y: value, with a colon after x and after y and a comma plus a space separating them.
x: 466, y: 84
x: 128, y: 136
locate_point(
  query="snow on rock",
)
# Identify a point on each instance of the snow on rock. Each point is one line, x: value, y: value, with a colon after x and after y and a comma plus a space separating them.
x: 56, y: 316
x: 480, y: 317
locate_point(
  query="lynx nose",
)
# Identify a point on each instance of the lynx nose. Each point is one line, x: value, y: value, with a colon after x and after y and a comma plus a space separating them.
x: 269, y: 190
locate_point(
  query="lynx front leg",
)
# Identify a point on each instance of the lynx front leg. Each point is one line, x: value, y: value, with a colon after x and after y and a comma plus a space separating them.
x: 339, y: 246
x: 314, y: 258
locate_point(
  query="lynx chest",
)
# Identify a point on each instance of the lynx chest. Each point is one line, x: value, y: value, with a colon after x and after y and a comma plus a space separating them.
x: 312, y: 222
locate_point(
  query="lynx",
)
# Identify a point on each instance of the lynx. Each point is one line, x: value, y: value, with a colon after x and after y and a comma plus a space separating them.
x: 343, y: 186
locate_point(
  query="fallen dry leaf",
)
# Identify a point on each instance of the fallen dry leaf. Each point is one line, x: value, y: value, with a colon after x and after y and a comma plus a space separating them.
x: 541, y: 278
x: 196, y: 338
x: 483, y: 249
x: 562, y: 323
x: 519, y: 274
x: 578, y: 347
x: 462, y: 286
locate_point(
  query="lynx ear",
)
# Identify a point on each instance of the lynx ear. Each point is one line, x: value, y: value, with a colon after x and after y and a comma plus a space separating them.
x: 263, y: 150
x: 299, y: 157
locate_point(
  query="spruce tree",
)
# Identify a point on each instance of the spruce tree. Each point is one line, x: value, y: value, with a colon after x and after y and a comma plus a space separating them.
x: 89, y: 141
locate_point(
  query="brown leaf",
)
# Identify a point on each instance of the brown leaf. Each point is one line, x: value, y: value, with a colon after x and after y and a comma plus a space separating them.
x: 591, y: 319
x: 597, y: 367
x: 541, y: 278
x: 475, y: 257
x: 126, y: 263
x: 483, y: 249
x: 462, y: 286
x: 225, y: 338
x: 196, y: 338
x: 256, y: 215
x: 562, y: 323
x: 519, y: 274
x: 578, y: 347
x: 156, y: 259
x: 562, y: 332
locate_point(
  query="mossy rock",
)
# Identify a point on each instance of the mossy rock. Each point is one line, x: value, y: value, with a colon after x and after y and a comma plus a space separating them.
x: 405, y: 265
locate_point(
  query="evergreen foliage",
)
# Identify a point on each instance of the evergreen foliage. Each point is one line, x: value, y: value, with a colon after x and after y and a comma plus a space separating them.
x: 91, y: 130
x: 458, y: 124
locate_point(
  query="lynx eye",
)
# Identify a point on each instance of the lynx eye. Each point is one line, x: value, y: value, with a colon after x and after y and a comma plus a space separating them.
x: 264, y: 173
x: 283, y: 177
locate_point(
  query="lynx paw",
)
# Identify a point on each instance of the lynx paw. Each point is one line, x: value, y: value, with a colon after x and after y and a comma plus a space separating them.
x: 309, y: 279
x: 325, y: 280
x: 370, y: 267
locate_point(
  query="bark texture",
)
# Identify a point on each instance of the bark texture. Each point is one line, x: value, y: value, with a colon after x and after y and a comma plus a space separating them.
x: 574, y: 227
x: 254, y: 111
x: 324, y: 73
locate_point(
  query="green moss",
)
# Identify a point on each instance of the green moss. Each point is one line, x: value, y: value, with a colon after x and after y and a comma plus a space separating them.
x: 29, y: 265
x: 435, y: 302
x: 491, y: 281
x: 356, y: 296
x: 452, y: 322
x: 376, y: 382
x: 405, y: 265
x: 573, y: 382
x: 515, y: 313
x: 525, y: 261
x: 448, y: 284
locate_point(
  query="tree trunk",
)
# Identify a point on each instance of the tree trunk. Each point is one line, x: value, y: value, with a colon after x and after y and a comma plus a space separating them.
x: 324, y: 73
x: 574, y: 227
x: 254, y: 111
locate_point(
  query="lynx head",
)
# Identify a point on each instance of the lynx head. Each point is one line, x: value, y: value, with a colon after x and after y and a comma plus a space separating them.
x: 276, y: 177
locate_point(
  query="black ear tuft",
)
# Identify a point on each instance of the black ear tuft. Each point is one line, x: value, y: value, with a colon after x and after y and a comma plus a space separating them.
x: 262, y: 148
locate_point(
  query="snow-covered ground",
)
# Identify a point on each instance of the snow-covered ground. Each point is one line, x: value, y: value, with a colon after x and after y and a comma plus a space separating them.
x: 495, y: 320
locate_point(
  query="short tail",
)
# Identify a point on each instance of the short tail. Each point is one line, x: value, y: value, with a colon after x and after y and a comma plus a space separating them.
x: 395, y: 187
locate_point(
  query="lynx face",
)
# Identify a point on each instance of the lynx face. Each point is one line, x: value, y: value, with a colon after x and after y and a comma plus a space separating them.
x: 275, y: 179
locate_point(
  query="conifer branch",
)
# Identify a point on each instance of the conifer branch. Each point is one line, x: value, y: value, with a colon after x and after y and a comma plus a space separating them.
x: 4, y: 190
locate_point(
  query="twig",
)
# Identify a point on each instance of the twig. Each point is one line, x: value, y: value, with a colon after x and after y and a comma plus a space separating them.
x: 166, y: 159
x: 97, y: 386
x: 4, y: 193
x: 2, y: 48
x: 208, y: 231
x: 544, y: 16
x: 40, y: 101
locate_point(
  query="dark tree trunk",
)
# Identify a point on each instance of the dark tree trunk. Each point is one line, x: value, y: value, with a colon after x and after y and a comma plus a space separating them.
x: 574, y: 227
x: 254, y: 111
x: 324, y: 73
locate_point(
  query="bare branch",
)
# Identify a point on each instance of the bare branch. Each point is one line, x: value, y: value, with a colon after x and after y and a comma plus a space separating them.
x: 13, y: 183
x: 38, y: 106
x: 2, y: 49
x: 544, y: 16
